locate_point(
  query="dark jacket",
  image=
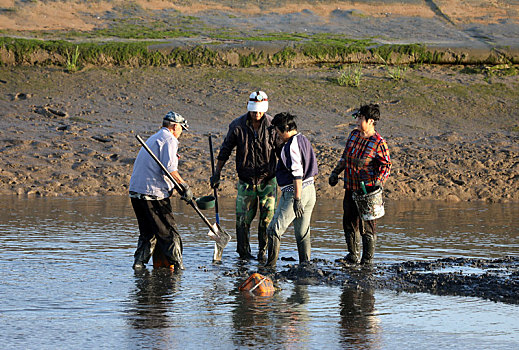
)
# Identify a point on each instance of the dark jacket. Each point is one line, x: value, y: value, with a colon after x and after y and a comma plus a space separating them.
x: 255, y: 154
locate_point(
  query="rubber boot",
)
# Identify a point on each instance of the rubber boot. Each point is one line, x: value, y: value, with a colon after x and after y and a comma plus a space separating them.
x: 143, y: 252
x: 262, y: 255
x: 353, y: 242
x: 368, y: 249
x: 242, y: 241
x: 304, y: 248
x: 273, y: 248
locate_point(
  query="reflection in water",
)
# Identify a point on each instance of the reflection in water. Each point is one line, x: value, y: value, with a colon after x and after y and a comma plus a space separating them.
x: 359, y: 323
x: 152, y: 298
x: 297, y: 325
x: 66, y: 268
x: 267, y: 321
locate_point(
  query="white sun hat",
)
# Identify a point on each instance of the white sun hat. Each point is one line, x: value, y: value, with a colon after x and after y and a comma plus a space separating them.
x: 258, y: 102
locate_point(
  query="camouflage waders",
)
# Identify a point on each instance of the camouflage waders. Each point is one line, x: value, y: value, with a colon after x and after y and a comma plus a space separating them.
x: 249, y: 198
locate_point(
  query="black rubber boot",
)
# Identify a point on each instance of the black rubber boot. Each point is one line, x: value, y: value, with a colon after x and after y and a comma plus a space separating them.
x: 353, y: 242
x: 143, y: 252
x: 274, y: 244
x: 242, y: 242
x: 368, y: 249
x: 262, y: 255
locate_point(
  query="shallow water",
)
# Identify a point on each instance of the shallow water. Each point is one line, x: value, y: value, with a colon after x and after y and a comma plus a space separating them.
x: 67, y: 282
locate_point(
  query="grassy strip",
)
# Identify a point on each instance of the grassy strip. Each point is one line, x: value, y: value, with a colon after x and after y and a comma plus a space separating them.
x: 310, y: 50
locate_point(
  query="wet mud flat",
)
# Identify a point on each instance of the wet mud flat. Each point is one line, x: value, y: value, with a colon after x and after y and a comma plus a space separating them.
x: 492, y: 279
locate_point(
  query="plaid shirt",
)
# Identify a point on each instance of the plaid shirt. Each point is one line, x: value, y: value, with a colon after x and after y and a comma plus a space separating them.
x: 367, y: 159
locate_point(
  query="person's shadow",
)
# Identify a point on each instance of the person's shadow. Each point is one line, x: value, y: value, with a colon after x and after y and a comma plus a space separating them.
x: 152, y: 297
x: 359, y: 323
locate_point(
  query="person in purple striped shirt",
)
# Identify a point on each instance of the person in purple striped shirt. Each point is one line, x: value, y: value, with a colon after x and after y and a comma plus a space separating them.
x: 295, y: 173
x: 365, y: 160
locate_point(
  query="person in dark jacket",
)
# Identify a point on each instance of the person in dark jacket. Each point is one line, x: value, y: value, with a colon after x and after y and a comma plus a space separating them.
x: 295, y: 173
x: 255, y: 164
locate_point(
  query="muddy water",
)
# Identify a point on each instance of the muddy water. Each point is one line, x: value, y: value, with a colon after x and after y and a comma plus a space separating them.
x: 67, y: 282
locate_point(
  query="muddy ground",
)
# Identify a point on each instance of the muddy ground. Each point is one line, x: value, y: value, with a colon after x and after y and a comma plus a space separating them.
x: 491, y: 279
x: 452, y: 134
x: 452, y: 130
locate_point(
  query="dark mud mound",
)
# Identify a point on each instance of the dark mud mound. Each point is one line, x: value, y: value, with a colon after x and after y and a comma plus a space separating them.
x: 496, y: 280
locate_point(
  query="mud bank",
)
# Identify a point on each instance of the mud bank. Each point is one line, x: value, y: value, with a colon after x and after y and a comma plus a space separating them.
x: 495, y: 279
x: 239, y: 33
x: 453, y: 135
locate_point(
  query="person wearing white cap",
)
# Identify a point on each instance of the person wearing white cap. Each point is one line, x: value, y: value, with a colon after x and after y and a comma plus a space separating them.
x: 150, y: 190
x: 256, y: 146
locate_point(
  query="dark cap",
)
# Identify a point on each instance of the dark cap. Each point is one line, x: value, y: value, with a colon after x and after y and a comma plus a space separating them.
x: 177, y: 118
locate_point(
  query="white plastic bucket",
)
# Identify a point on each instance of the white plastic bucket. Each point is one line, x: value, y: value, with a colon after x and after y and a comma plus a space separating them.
x: 371, y: 205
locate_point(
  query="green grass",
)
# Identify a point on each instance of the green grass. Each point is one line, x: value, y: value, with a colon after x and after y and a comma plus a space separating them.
x: 250, y: 59
x: 153, y: 30
x: 350, y: 76
x: 397, y: 72
x: 318, y: 49
x: 72, y: 60
x: 415, y: 52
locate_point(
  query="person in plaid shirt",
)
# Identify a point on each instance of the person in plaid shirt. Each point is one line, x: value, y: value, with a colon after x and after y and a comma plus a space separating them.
x: 365, y: 159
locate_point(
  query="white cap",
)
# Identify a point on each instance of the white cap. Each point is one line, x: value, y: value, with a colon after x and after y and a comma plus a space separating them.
x: 258, y: 102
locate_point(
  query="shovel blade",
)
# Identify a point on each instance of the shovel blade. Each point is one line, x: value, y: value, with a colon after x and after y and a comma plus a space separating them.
x: 220, y: 237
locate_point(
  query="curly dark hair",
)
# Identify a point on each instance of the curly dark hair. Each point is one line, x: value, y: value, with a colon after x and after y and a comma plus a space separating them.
x: 369, y: 111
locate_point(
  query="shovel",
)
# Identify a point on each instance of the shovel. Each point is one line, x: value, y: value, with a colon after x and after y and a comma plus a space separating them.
x: 217, y: 256
x: 216, y: 233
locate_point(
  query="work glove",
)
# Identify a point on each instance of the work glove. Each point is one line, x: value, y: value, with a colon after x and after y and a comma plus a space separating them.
x: 215, y: 180
x: 333, y: 179
x: 298, y: 208
x: 188, y: 194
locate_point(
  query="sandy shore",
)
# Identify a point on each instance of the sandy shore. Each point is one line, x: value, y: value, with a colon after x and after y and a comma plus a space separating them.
x: 452, y: 135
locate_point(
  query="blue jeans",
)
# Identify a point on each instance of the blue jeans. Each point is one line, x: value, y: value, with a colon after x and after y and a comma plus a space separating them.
x: 284, y: 216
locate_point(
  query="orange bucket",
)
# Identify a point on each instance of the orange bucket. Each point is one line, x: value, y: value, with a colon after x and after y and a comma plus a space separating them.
x: 160, y: 260
x: 258, y: 284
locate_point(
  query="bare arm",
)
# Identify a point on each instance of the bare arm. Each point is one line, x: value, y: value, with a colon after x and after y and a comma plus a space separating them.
x: 177, y: 177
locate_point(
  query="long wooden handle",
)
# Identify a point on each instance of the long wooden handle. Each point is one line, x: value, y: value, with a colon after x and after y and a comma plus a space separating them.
x: 175, y: 183
x: 215, y: 191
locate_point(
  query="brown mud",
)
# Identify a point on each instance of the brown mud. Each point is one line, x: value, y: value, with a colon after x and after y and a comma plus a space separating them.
x: 452, y: 135
x: 453, y: 131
